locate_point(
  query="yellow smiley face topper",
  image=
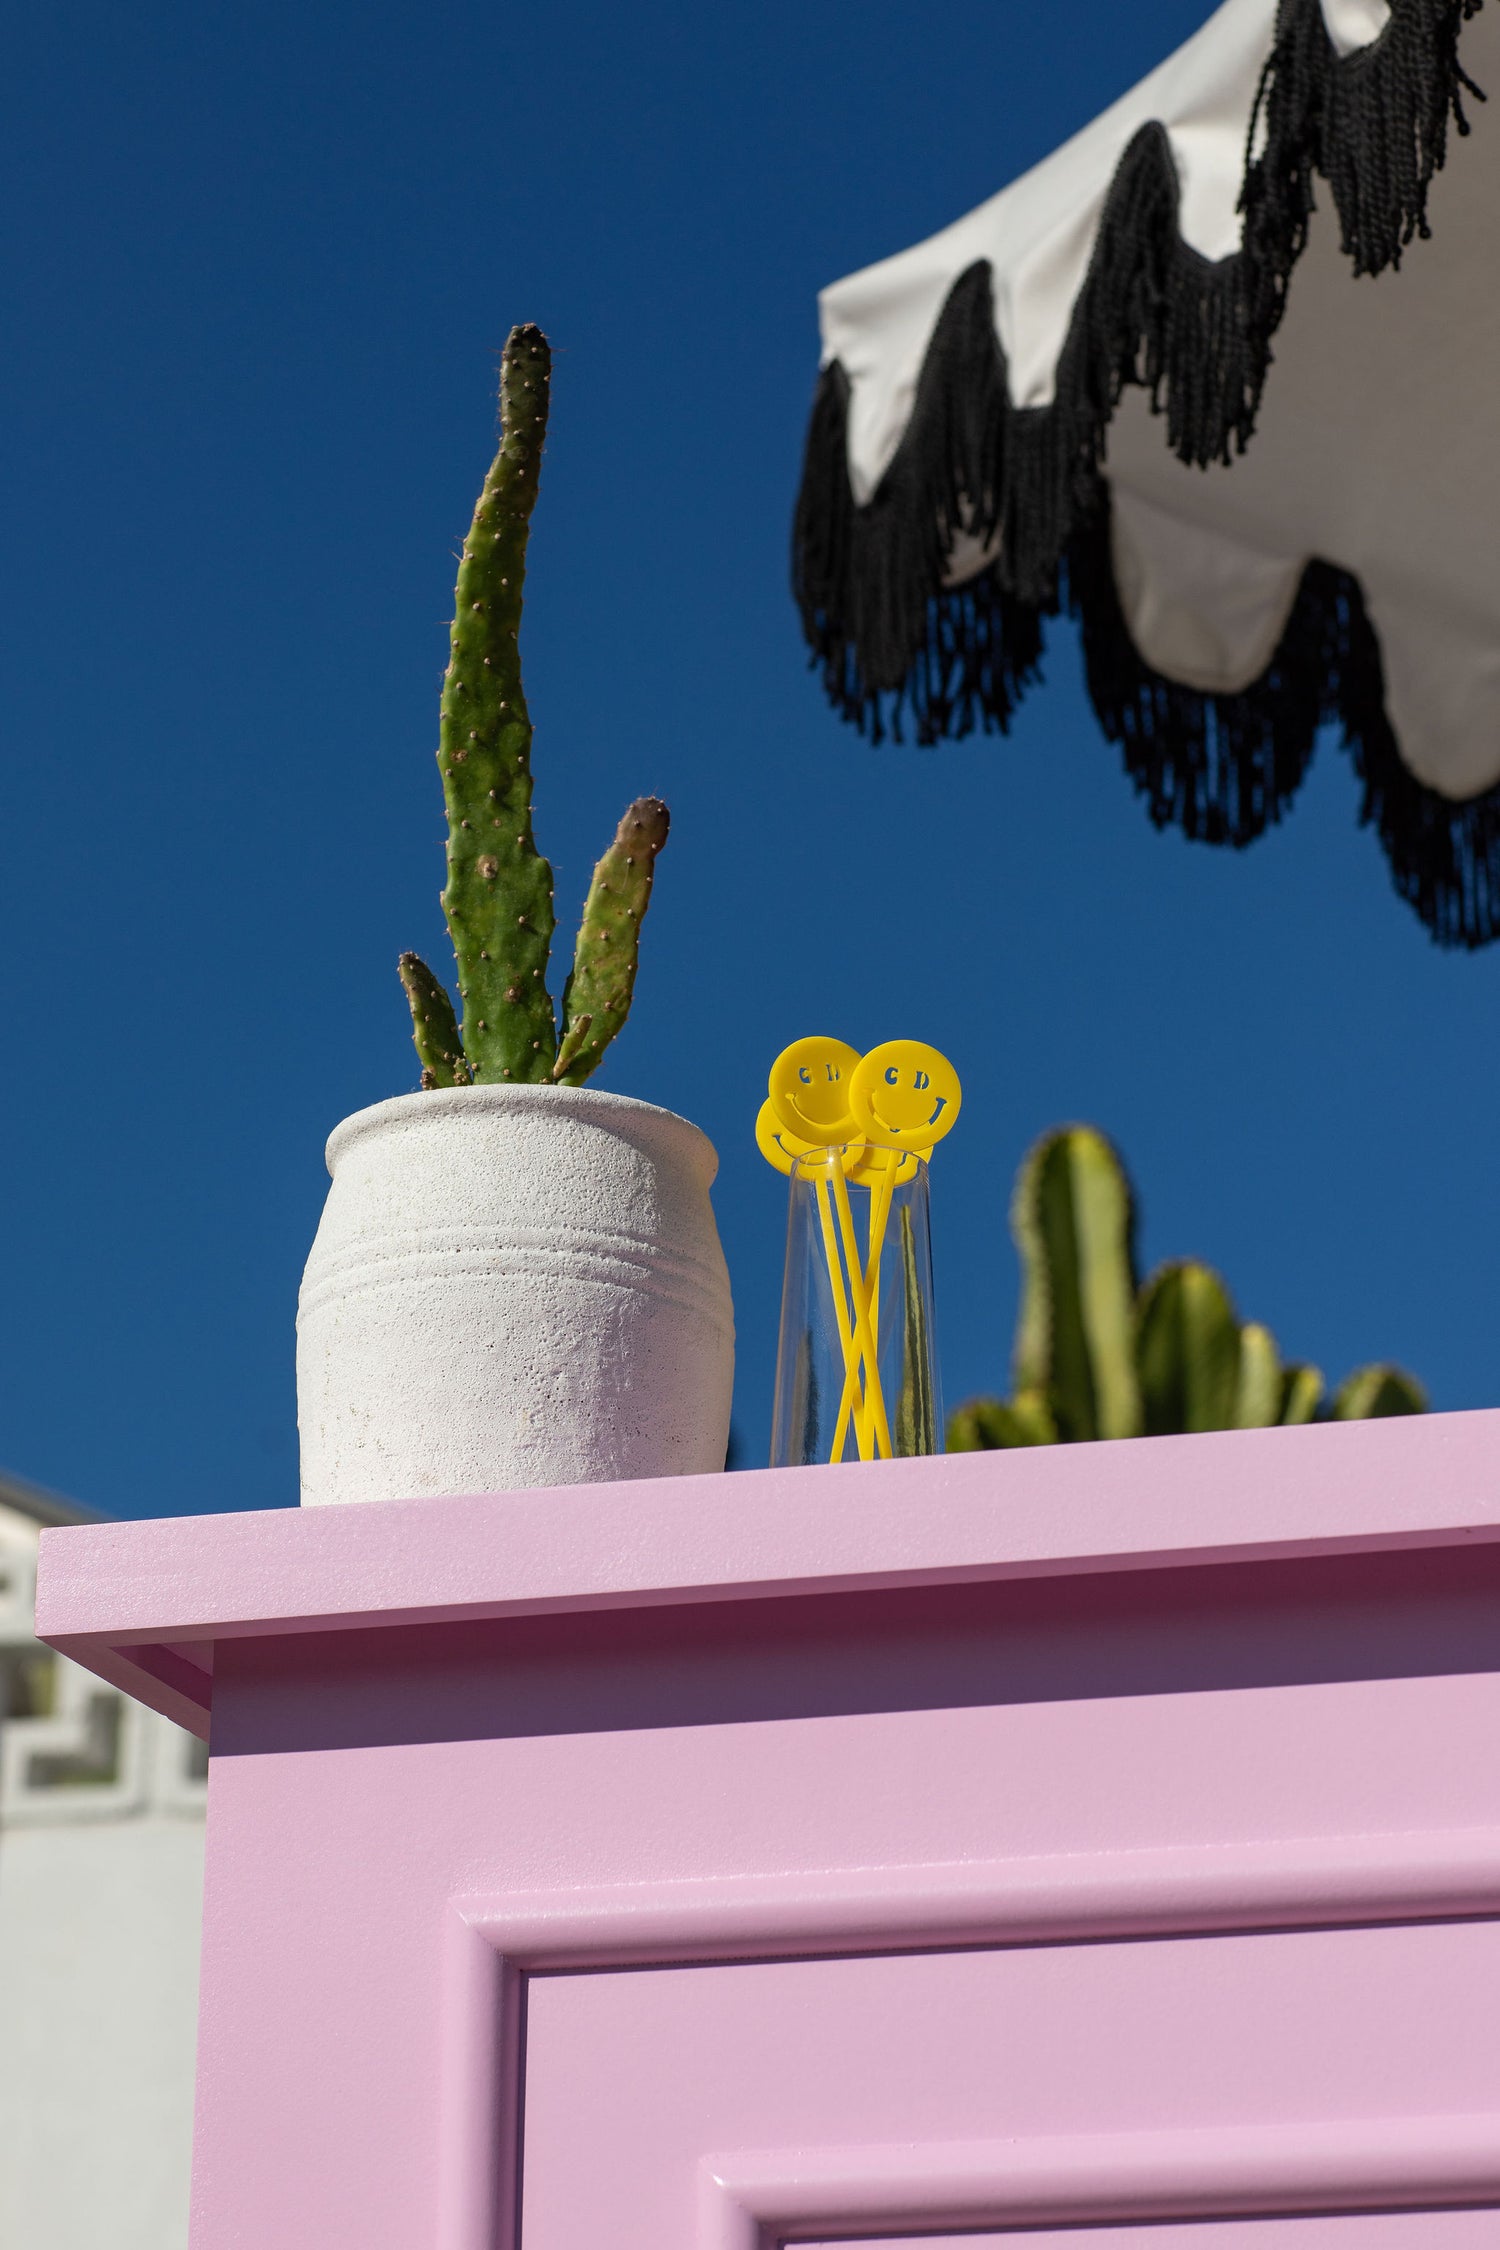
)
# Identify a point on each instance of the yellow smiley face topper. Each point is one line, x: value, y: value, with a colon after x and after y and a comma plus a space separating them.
x: 781, y: 1148
x: 809, y: 1091
x: 871, y: 1167
x: 904, y: 1095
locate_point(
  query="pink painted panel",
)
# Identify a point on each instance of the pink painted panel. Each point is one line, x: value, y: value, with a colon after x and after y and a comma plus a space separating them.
x: 784, y: 1730
x: 650, y: 2092
x: 333, y: 1877
x: 1383, y: 2230
x: 146, y: 1604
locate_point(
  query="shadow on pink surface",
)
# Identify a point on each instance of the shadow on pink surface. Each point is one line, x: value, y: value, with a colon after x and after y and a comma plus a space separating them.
x: 1280, y: 1624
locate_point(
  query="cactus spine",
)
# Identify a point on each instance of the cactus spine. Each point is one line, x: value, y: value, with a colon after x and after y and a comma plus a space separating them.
x: 1097, y: 1355
x: 498, y: 897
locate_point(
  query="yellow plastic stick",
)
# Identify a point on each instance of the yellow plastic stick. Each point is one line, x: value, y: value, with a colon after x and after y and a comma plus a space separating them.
x: 835, y: 1271
x: 874, y: 1401
x: 880, y: 1210
x: 854, y: 1400
x: 840, y: 1306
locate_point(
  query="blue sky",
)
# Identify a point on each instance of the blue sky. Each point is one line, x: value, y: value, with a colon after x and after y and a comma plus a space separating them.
x: 257, y: 266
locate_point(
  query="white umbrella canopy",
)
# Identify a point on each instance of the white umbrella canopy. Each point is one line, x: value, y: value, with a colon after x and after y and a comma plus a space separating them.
x: 1068, y: 399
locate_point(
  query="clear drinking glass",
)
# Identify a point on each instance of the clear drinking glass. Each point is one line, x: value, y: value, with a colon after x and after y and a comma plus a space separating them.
x: 839, y: 1310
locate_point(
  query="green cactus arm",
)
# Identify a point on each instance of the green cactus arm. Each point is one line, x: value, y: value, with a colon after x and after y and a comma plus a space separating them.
x: 1371, y: 1392
x: 986, y: 1425
x: 914, y: 1425
x: 498, y: 897
x: 802, y: 1421
x: 1032, y: 1419
x: 1031, y: 1355
x: 433, y: 1025
x: 578, y: 1029
x: 1301, y: 1392
x: 1073, y: 1219
x: 1257, y: 1400
x: 597, y: 999
x: 1187, y: 1350
x: 974, y: 1427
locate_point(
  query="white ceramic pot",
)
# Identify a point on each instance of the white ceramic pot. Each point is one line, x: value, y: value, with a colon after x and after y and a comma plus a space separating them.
x: 511, y: 1286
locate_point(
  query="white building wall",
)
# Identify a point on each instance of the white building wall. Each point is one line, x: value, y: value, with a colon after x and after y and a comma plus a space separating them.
x: 101, y: 1883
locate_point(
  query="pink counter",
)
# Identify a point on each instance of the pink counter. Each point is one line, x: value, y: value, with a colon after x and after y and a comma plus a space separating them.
x: 1096, y: 1837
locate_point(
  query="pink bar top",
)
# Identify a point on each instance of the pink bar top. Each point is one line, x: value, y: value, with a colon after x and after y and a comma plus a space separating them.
x: 142, y: 1604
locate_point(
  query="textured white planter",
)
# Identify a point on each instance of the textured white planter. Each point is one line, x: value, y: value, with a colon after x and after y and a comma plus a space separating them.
x: 510, y: 1286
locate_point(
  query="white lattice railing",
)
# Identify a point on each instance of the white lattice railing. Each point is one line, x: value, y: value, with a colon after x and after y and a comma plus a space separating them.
x: 71, y: 1749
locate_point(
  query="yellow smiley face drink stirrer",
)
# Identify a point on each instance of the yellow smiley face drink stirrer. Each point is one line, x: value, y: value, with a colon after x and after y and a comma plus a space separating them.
x: 807, y: 1115
x: 870, y: 1120
x: 905, y: 1097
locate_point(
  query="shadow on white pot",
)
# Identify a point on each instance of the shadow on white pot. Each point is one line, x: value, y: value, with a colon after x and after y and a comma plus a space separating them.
x: 512, y: 1286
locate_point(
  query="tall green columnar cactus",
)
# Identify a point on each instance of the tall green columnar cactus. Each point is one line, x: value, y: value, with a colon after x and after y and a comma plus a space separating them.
x: 1073, y: 1218
x: 498, y: 896
x: 1097, y: 1355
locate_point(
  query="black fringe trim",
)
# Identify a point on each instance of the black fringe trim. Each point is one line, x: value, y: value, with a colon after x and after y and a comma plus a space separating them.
x: 885, y: 629
x: 1374, y: 124
x: 869, y: 580
x: 895, y: 645
x: 1444, y: 852
x: 1224, y: 768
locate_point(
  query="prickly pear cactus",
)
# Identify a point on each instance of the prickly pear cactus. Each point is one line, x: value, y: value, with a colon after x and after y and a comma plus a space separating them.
x: 1096, y: 1356
x: 440, y: 1050
x: 597, y: 999
x: 498, y: 895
